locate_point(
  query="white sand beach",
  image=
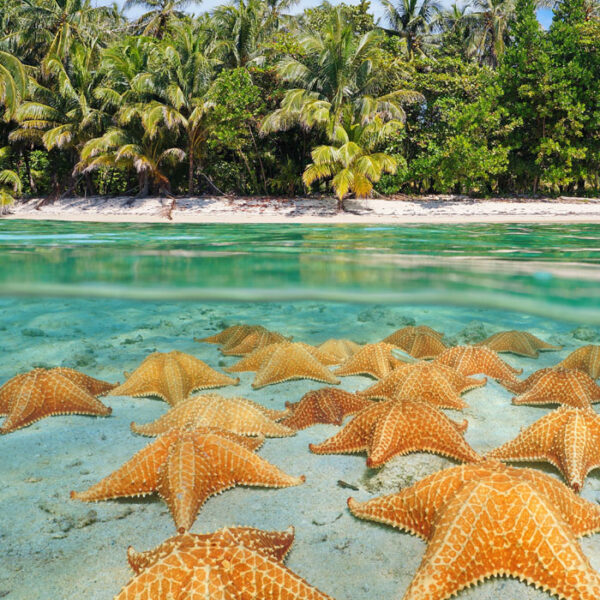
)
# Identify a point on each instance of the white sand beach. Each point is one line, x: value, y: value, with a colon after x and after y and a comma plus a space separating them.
x: 428, y: 209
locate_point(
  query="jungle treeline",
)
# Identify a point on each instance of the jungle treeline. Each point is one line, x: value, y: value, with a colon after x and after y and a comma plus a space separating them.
x: 257, y: 98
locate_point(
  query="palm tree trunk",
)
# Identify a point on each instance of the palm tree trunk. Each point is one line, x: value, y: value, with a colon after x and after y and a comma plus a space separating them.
x: 144, y: 184
x: 191, y: 171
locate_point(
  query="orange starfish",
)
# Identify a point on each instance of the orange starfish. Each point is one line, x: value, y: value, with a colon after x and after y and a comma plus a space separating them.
x: 568, y: 438
x: 388, y: 429
x: 186, y: 467
x: 238, y: 415
x: 517, y: 342
x: 470, y: 360
x: 172, y: 376
x: 236, y: 562
x: 420, y: 341
x: 586, y: 358
x: 259, y: 338
x: 40, y: 393
x: 434, y: 383
x: 341, y: 349
x: 487, y: 520
x: 231, y: 335
x: 518, y: 387
x: 561, y: 386
x: 375, y: 360
x: 327, y: 405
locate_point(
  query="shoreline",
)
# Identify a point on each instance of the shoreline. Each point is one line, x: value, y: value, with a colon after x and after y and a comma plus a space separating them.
x: 419, y: 210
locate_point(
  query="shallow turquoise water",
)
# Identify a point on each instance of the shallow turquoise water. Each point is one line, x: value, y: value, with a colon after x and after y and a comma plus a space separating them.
x: 100, y: 298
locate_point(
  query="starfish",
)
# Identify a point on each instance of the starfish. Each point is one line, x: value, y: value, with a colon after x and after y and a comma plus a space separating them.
x: 562, y: 386
x: 259, y: 338
x: 40, y: 393
x: 470, y: 360
x: 375, y: 360
x: 186, y: 467
x: 420, y: 341
x: 586, y: 358
x: 231, y: 335
x: 172, y: 376
x: 517, y: 342
x: 341, y: 349
x: 236, y: 562
x: 434, y: 383
x: 388, y: 429
x: 327, y: 405
x: 568, y: 438
x: 518, y: 387
x: 238, y: 415
x: 487, y: 520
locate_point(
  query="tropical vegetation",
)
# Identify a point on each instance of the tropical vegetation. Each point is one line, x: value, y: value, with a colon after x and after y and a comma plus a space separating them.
x: 258, y: 98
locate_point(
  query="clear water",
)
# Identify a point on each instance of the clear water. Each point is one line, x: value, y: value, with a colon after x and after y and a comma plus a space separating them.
x: 100, y: 297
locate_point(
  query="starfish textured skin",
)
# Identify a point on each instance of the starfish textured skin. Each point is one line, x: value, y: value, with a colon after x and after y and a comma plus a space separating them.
x: 522, y: 343
x: 471, y: 360
x: 286, y: 361
x: 586, y: 359
x: 172, y: 376
x: 518, y: 387
x: 393, y: 428
x: 40, y: 393
x: 568, y: 438
x: 487, y: 519
x: 374, y: 360
x: 420, y: 342
x: 342, y: 349
x: 434, y: 383
x: 561, y: 386
x: 231, y: 335
x: 234, y: 562
x: 186, y: 467
x: 237, y: 415
x: 327, y: 405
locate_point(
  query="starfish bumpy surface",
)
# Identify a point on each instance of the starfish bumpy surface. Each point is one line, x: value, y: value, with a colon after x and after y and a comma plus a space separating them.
x: 487, y: 519
x: 561, y: 386
x: 172, y: 376
x: 186, y: 467
x: 327, y: 405
x: 393, y: 428
x: 341, y: 349
x: 470, y: 360
x: 586, y: 359
x: 40, y: 393
x: 517, y: 342
x: 259, y: 338
x: 374, y: 360
x: 568, y: 438
x: 233, y: 562
x: 434, y: 383
x: 420, y: 341
x: 238, y: 415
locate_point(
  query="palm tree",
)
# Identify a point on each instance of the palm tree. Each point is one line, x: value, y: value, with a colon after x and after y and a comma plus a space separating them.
x: 412, y: 21
x: 183, y: 76
x: 491, y: 19
x: 160, y: 14
x: 13, y: 83
x: 10, y: 184
x: 352, y: 164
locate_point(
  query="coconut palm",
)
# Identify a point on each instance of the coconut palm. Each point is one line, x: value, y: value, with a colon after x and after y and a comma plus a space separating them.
x: 351, y: 163
x: 13, y: 83
x: 489, y: 35
x: 10, y: 183
x: 160, y: 14
x: 412, y: 20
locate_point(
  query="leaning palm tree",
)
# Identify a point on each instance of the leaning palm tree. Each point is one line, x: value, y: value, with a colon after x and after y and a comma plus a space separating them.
x: 412, y: 20
x: 352, y: 164
x: 160, y: 13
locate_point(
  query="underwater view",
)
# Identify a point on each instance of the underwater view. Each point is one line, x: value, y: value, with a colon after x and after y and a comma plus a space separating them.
x: 367, y: 386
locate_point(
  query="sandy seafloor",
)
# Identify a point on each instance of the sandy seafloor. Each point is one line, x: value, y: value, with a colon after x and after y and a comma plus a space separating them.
x: 55, y: 548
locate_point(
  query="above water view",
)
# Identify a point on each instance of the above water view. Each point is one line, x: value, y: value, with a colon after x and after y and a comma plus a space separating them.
x: 340, y: 386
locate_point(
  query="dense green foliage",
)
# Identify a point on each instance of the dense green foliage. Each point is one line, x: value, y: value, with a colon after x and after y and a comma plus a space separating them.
x: 250, y: 99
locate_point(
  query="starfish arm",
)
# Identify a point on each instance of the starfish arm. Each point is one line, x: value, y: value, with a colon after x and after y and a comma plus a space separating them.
x: 494, y: 527
x: 254, y: 360
x: 138, y: 476
x: 572, y: 442
x: 354, y: 437
x: 96, y: 387
x: 144, y: 381
x: 9, y: 391
x: 200, y: 376
x: 426, y: 346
